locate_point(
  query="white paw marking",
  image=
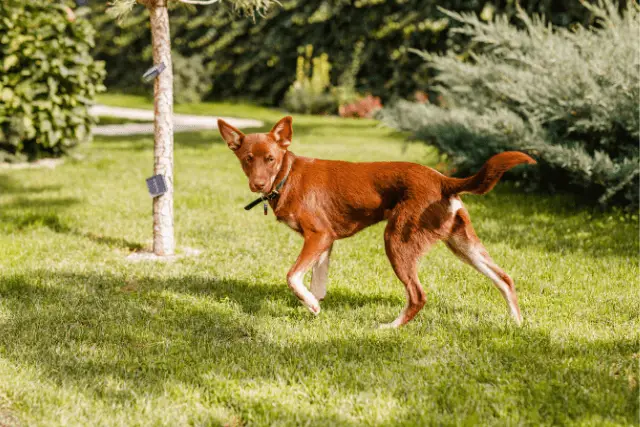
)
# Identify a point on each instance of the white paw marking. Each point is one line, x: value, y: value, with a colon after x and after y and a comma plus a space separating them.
x: 307, y: 298
x: 315, y: 309
x: 396, y: 323
x: 483, y: 266
x: 391, y: 325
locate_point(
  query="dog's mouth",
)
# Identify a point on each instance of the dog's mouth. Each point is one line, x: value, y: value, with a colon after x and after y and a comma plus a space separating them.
x: 265, y: 190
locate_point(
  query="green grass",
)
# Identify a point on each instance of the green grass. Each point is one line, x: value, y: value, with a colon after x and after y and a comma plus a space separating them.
x: 88, y: 338
x: 108, y: 120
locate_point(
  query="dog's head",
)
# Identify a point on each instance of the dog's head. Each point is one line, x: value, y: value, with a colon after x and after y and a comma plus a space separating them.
x: 260, y: 154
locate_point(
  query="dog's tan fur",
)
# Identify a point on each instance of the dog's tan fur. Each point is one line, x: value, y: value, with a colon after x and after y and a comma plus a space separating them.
x: 327, y: 200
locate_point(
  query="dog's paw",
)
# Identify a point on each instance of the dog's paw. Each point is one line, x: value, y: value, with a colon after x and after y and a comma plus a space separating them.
x: 392, y: 325
x: 518, y: 320
x: 314, y: 309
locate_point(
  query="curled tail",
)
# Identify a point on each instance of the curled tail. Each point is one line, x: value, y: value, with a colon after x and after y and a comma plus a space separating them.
x: 488, y: 176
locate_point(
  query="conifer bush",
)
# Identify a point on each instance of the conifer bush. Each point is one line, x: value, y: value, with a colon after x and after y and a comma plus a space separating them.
x: 567, y: 96
x: 48, y: 79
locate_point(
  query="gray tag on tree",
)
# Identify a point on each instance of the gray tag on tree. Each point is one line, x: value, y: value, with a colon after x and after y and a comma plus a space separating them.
x: 153, y: 72
x: 157, y: 185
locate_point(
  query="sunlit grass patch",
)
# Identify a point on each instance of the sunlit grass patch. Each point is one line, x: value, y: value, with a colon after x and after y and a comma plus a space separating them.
x: 87, y: 338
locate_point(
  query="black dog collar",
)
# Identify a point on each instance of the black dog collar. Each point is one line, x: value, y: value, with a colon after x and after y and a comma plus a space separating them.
x: 272, y: 195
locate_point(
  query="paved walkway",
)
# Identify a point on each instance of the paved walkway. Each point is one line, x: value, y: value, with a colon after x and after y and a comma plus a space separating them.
x: 181, y: 122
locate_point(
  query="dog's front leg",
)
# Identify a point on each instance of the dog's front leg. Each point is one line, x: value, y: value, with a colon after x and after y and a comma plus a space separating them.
x: 315, y: 244
x: 320, y: 275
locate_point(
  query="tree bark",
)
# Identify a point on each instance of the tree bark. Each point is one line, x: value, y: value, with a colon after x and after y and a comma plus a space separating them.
x: 163, y: 238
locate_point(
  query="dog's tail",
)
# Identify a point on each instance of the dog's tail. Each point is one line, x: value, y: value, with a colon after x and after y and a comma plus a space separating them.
x: 488, y: 176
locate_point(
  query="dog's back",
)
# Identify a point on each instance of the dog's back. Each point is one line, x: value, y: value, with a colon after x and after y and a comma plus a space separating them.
x: 347, y: 197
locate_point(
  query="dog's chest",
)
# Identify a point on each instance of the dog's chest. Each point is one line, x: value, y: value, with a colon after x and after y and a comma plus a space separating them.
x: 291, y: 220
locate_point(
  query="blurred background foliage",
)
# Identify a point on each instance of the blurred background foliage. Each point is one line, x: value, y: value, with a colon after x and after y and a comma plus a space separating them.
x: 256, y: 59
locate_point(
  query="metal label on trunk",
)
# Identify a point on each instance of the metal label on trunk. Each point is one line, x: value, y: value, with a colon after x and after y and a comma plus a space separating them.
x: 153, y: 72
x: 157, y: 185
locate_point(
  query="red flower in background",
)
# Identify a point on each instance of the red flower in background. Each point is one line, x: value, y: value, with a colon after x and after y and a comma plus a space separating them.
x: 363, y: 108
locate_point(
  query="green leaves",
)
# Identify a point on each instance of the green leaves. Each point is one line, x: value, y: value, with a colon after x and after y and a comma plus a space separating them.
x: 46, y: 72
x: 119, y: 9
x: 6, y: 95
x: 9, y: 62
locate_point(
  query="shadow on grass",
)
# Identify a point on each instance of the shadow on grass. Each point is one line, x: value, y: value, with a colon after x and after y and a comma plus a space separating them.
x: 24, y: 212
x: 552, y: 223
x: 10, y: 186
x: 88, y: 330
x: 52, y: 222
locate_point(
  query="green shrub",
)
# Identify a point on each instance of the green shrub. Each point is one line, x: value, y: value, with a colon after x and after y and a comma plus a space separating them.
x: 257, y: 59
x: 190, y: 79
x: 570, y: 97
x: 48, y: 79
x: 311, y: 92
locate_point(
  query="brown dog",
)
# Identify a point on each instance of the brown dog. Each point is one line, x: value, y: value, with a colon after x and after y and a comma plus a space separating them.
x: 327, y: 200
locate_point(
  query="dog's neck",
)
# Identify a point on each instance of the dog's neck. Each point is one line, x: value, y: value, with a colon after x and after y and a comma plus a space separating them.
x: 285, y: 169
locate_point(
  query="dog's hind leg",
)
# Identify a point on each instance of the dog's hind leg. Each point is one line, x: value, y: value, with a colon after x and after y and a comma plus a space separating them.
x: 315, y: 244
x: 405, y: 244
x: 320, y: 274
x: 464, y: 242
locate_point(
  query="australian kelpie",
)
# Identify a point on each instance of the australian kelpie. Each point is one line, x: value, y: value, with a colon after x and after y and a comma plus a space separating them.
x: 327, y: 200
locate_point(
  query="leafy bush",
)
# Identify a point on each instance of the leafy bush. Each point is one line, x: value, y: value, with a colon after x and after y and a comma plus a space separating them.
x: 48, y: 79
x: 257, y: 59
x: 570, y: 97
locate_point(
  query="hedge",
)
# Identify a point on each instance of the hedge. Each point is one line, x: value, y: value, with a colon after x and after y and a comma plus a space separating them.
x: 48, y: 79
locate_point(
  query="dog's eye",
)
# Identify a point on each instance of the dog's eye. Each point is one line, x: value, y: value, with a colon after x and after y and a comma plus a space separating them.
x: 270, y: 159
x: 249, y: 159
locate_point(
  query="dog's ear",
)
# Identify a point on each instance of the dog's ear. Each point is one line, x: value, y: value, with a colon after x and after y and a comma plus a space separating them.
x: 232, y: 136
x: 282, y: 132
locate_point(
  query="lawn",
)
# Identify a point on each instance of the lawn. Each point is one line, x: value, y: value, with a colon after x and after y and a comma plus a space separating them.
x: 89, y: 338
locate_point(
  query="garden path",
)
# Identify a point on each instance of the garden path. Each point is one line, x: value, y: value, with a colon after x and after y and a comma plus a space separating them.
x: 181, y: 122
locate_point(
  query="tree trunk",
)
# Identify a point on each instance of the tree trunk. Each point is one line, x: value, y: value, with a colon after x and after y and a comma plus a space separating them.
x: 163, y: 239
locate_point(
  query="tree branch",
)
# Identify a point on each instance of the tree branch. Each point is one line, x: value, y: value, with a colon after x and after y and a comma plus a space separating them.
x: 198, y: 1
